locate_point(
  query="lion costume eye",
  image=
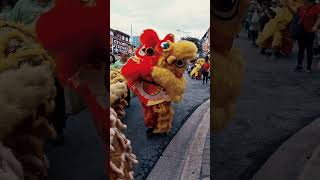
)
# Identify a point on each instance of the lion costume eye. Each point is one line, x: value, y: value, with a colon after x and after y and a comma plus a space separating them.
x: 165, y: 45
x: 149, y: 51
x: 13, y: 45
x: 142, y: 51
x: 180, y: 63
x: 226, y: 9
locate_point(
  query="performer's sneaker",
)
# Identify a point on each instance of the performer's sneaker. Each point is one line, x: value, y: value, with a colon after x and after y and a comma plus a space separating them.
x: 149, y: 131
x: 298, y: 69
x: 308, y: 71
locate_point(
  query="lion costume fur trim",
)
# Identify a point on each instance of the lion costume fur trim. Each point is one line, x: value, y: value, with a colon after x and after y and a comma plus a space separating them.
x: 165, y: 78
x: 118, y: 86
x: 165, y: 114
x: 122, y: 158
x: 21, y: 92
x: 164, y: 72
x: 228, y: 73
x: 11, y: 168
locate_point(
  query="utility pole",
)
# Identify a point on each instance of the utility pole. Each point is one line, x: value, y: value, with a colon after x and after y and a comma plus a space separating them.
x: 131, y: 36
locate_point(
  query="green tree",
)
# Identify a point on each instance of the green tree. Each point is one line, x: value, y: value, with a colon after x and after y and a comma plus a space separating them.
x: 196, y: 41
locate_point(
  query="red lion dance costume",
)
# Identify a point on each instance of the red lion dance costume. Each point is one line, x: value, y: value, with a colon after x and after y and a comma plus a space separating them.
x: 155, y: 74
x: 228, y: 62
x: 74, y: 32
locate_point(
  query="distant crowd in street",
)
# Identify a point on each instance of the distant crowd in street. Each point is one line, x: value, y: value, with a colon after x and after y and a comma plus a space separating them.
x: 276, y: 26
x: 200, y: 69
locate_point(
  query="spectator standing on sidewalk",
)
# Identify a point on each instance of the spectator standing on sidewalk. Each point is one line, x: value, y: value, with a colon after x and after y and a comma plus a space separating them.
x: 205, y: 70
x: 189, y: 69
x: 309, y: 20
x: 316, y: 44
x: 255, y: 26
x: 122, y: 61
x: 247, y: 23
x: 118, y: 65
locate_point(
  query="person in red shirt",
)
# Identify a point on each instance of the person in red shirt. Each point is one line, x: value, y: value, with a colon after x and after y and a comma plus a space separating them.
x: 205, y: 70
x: 309, y: 19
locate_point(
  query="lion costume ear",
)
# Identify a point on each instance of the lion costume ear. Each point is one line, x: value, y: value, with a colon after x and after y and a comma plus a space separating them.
x: 149, y: 38
x: 169, y: 37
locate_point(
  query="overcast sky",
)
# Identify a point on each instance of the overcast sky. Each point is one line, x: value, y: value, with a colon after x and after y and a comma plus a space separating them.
x: 164, y: 16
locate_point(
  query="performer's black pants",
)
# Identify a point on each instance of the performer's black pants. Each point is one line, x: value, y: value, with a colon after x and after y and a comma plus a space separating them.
x: 254, y: 36
x: 305, y: 42
x: 59, y: 114
x: 128, y: 98
x: 205, y: 77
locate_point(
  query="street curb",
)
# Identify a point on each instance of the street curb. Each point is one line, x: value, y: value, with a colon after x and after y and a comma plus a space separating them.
x: 192, y: 166
x: 311, y: 170
x: 296, y: 158
x: 174, y: 159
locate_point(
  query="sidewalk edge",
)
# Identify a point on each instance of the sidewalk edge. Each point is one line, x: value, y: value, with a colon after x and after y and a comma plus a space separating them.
x: 290, y: 160
x: 171, y: 163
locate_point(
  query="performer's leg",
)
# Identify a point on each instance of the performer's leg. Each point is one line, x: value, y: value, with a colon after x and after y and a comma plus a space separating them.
x: 59, y: 114
x: 149, y: 117
x: 302, y: 47
x: 207, y: 77
x: 165, y: 117
x: 128, y: 98
x: 203, y: 78
x: 309, y: 47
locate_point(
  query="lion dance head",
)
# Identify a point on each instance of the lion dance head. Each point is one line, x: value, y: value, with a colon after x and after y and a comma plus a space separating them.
x: 27, y: 99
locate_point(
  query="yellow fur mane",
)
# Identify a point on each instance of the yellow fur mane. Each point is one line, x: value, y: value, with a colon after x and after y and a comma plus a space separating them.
x: 228, y: 73
x: 164, y: 72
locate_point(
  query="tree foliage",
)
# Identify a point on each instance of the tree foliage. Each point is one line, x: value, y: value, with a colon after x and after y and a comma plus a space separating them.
x: 195, y: 41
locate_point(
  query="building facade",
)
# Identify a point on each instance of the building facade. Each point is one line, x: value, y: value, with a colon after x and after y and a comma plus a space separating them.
x: 205, y: 43
x: 136, y: 41
x: 119, y: 42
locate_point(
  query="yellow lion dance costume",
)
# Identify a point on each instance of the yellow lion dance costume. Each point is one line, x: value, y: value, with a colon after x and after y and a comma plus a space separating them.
x: 195, y: 73
x: 155, y: 75
x: 227, y: 61
x: 27, y: 94
x: 272, y: 33
x: 121, y: 157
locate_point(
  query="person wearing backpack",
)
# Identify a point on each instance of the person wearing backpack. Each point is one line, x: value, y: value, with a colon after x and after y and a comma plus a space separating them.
x: 308, y: 16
